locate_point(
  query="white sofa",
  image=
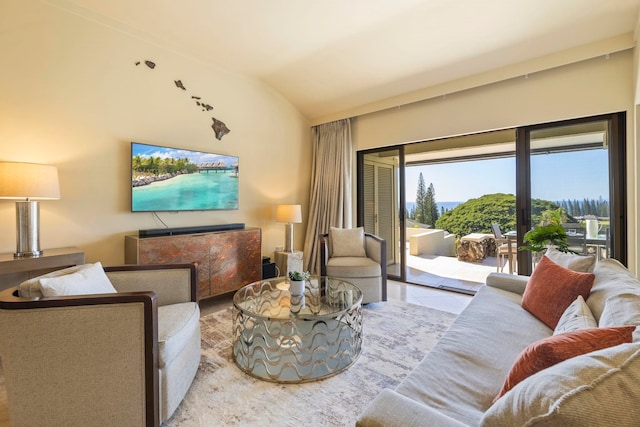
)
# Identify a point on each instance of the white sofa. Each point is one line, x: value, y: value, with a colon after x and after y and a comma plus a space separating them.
x: 456, y: 383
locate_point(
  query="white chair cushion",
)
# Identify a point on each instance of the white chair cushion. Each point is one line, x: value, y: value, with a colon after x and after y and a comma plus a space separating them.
x: 177, y: 323
x: 353, y: 267
x: 86, y: 281
x: 347, y: 242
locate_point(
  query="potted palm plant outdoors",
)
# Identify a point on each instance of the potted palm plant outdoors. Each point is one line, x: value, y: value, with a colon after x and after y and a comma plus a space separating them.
x: 550, y: 233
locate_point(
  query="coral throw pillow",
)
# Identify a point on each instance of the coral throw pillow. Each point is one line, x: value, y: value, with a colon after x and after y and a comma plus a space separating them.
x: 549, y: 351
x: 552, y: 288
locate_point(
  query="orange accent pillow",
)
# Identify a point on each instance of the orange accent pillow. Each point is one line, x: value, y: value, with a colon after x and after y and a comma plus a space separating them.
x: 552, y: 288
x: 557, y: 348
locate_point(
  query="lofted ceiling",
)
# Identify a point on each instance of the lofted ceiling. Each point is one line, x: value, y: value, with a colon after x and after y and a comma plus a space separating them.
x: 333, y: 56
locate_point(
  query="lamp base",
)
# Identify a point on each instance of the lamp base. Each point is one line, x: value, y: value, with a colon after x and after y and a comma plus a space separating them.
x: 288, y: 238
x: 32, y: 254
x: 27, y: 230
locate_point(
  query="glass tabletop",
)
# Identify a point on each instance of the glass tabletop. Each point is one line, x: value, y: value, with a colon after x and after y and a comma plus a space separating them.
x: 323, y: 297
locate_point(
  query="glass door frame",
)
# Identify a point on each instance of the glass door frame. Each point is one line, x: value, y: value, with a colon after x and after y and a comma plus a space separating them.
x: 401, y: 200
x: 617, y: 183
x: 617, y: 187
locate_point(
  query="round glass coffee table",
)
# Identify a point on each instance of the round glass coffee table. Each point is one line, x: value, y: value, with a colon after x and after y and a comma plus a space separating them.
x: 286, y: 338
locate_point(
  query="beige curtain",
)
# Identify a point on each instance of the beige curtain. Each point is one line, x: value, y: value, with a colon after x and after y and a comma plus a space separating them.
x: 330, y: 197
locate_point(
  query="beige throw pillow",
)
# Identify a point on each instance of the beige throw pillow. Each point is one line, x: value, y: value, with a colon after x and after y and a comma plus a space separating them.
x: 91, y: 280
x: 581, y: 263
x: 620, y: 310
x: 347, y: 242
x: 576, y: 316
x: 612, y: 278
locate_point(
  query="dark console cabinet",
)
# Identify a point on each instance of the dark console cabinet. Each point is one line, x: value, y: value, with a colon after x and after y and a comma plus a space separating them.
x: 227, y: 260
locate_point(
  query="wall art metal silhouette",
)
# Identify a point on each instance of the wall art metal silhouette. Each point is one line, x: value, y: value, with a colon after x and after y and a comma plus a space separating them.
x: 219, y: 128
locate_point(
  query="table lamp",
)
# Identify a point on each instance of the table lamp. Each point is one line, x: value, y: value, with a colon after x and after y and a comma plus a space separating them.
x: 289, y: 214
x: 28, y: 181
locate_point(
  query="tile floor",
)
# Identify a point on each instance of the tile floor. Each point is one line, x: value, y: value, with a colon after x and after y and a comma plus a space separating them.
x: 420, y: 295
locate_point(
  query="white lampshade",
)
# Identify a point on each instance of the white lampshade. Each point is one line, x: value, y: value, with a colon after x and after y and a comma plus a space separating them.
x: 289, y: 213
x: 28, y: 181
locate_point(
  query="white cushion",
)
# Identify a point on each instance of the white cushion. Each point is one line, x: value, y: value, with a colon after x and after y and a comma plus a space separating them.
x: 612, y: 278
x: 353, y: 267
x: 576, y: 316
x: 596, y: 389
x: 580, y: 263
x: 347, y: 242
x: 90, y: 280
x: 31, y: 288
x: 177, y: 324
x: 621, y: 310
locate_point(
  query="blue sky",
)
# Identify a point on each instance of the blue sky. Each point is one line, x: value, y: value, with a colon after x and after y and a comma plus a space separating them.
x: 145, y: 150
x: 555, y: 177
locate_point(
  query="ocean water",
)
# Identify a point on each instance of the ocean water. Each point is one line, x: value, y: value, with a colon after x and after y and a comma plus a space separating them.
x: 196, y: 191
x: 445, y: 205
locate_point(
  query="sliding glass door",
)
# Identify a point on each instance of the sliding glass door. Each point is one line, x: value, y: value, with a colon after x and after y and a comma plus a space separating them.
x: 572, y: 174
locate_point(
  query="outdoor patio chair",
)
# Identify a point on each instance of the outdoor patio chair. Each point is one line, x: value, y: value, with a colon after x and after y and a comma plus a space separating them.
x: 576, y: 237
x: 505, y: 248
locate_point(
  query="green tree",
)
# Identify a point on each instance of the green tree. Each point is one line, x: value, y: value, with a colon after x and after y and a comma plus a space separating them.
x: 477, y: 215
x: 431, y: 207
x: 421, y: 212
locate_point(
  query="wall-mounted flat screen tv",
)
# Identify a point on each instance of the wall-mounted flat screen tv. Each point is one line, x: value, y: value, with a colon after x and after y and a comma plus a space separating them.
x: 174, y: 179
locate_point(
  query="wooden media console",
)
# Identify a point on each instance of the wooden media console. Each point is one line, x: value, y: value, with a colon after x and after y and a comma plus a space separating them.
x: 227, y: 260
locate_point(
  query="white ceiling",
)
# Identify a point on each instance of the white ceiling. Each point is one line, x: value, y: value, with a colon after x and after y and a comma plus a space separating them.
x: 329, y: 56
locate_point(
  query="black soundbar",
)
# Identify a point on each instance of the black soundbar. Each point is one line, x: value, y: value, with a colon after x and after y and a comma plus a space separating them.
x: 156, y: 232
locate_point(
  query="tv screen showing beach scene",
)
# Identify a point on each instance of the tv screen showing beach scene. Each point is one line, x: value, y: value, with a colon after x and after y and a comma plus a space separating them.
x: 175, y: 179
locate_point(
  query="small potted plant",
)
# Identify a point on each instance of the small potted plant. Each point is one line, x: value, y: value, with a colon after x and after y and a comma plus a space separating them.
x: 544, y: 236
x: 550, y: 233
x: 296, y: 282
x: 539, y: 239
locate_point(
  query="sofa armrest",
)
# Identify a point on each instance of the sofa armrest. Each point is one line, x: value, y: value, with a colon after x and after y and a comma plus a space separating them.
x: 508, y: 282
x: 390, y: 409
x: 172, y: 283
x: 67, y: 349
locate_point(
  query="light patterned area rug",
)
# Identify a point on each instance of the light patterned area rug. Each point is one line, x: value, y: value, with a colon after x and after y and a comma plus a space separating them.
x: 396, y: 336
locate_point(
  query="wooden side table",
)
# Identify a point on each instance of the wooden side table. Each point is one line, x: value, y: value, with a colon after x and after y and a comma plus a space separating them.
x: 288, y: 261
x: 14, y: 271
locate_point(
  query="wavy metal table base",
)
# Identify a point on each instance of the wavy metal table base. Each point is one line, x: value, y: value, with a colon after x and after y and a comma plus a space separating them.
x: 308, y: 340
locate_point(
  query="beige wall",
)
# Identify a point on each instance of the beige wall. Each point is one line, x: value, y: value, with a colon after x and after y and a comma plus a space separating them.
x: 73, y: 97
x: 595, y: 86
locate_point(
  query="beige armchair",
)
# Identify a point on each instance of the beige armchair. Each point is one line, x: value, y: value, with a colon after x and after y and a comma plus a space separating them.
x: 356, y: 257
x: 115, y: 359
